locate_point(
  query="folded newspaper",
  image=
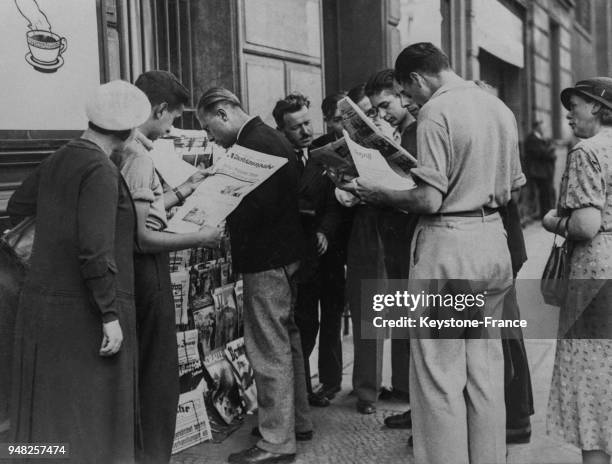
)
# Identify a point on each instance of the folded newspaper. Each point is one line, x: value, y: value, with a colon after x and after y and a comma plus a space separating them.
x: 236, y: 174
x: 192, y: 424
x: 362, y: 130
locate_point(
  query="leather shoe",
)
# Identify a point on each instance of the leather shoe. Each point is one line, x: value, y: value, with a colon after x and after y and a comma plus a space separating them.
x: 365, y: 407
x: 388, y: 394
x: 317, y: 400
x: 518, y: 436
x: 328, y: 391
x: 399, y: 421
x: 256, y: 455
x: 299, y: 436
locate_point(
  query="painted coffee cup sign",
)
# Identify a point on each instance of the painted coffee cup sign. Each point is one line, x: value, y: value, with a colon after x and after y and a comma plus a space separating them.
x: 46, y: 49
x: 50, y: 62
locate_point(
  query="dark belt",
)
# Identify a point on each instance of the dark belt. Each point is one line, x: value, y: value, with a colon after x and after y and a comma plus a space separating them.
x: 484, y: 211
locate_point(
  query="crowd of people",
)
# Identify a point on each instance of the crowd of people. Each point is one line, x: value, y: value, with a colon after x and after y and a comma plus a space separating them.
x: 95, y: 359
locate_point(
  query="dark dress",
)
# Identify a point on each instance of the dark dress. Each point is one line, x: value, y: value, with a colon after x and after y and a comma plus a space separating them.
x: 81, y: 275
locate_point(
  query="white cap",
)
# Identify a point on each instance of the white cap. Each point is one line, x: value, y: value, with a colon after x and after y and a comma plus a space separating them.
x: 118, y: 105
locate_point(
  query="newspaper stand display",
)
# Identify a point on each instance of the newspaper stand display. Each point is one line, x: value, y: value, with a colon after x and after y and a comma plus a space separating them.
x: 214, y: 396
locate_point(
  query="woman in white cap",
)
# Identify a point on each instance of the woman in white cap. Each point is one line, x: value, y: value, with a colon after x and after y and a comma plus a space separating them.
x: 75, y: 351
x: 580, y: 403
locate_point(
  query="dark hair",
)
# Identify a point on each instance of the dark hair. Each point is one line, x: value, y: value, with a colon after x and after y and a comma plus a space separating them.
x: 215, y: 96
x: 122, y: 135
x: 163, y: 87
x: 357, y: 93
x: 424, y: 57
x: 330, y: 104
x: 382, y: 80
x: 293, y: 102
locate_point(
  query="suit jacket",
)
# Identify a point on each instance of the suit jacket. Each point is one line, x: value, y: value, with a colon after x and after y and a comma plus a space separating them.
x: 265, y: 230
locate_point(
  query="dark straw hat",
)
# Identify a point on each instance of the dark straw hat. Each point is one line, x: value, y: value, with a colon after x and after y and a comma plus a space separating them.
x: 597, y: 88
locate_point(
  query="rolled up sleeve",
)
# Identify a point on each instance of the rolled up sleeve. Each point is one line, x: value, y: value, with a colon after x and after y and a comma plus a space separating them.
x: 96, y: 218
x: 434, y: 152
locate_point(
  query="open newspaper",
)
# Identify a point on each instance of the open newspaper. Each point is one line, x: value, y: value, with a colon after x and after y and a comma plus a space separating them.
x: 336, y: 158
x: 362, y: 130
x: 373, y: 167
x: 236, y: 174
x: 169, y: 164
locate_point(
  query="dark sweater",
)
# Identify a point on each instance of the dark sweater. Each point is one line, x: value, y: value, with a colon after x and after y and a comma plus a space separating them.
x: 265, y: 230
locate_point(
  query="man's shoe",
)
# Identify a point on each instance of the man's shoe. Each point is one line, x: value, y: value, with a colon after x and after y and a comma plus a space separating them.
x: 299, y: 436
x: 388, y: 394
x: 518, y: 436
x: 385, y: 394
x: 399, y: 421
x: 256, y: 455
x: 365, y: 407
x: 328, y: 391
x: 317, y: 400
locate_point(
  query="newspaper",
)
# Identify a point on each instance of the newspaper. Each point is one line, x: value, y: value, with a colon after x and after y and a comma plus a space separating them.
x: 235, y: 352
x: 169, y: 165
x: 336, y: 158
x: 363, y: 131
x: 373, y: 167
x: 192, y: 424
x: 236, y: 174
x: 188, y: 355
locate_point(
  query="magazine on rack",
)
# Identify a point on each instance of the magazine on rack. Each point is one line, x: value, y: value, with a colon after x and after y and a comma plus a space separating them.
x: 238, y: 291
x: 373, y: 167
x: 223, y: 392
x: 237, y: 173
x: 206, y: 322
x: 180, y: 292
x: 192, y: 424
x: 227, y: 315
x: 190, y: 364
x: 235, y: 352
x: 363, y: 131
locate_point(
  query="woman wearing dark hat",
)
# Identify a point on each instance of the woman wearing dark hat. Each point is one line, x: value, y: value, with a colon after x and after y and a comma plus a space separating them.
x: 75, y: 350
x: 580, y: 403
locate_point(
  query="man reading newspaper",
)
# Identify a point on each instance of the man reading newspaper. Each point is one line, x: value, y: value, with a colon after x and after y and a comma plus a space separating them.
x: 267, y: 241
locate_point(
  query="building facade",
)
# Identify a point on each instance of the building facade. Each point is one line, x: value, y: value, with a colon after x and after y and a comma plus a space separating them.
x: 528, y: 50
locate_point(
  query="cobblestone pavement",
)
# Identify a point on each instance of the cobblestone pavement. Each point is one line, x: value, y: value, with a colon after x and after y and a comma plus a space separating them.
x: 342, y: 436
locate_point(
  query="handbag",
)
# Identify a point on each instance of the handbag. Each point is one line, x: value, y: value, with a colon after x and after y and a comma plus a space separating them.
x: 21, y: 239
x: 554, y: 278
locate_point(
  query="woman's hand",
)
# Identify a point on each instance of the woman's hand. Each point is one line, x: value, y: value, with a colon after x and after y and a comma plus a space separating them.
x: 210, y: 237
x: 550, y: 221
x: 113, y: 337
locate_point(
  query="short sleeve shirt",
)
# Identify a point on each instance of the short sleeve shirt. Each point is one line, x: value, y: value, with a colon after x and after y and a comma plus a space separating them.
x: 467, y: 143
x: 141, y: 178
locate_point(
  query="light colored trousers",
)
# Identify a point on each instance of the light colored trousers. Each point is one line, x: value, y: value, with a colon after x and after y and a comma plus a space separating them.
x: 274, y: 349
x: 457, y: 385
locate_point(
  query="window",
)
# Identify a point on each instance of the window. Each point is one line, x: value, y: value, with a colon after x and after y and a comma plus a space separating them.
x: 583, y: 15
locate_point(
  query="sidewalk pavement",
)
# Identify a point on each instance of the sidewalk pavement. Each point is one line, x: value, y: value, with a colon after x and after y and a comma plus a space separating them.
x: 342, y: 436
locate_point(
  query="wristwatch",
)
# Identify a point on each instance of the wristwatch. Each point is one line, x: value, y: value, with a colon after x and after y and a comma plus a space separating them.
x: 180, y: 197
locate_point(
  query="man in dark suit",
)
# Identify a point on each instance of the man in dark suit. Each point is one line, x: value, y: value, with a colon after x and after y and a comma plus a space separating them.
x: 322, y: 273
x: 266, y: 239
x: 332, y: 118
x: 540, y: 159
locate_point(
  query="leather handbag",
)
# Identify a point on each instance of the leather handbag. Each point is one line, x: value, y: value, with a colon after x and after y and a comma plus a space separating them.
x: 554, y: 278
x: 21, y: 239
